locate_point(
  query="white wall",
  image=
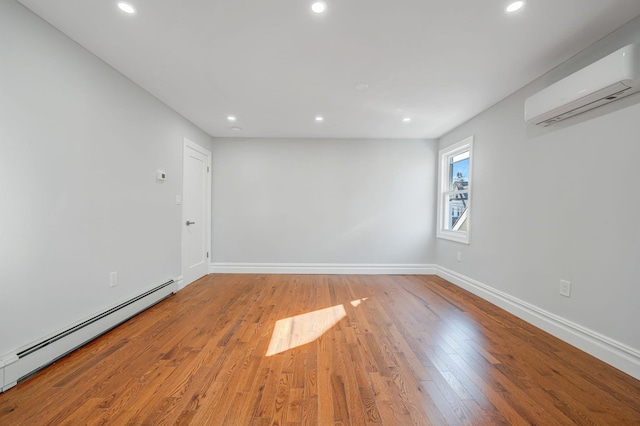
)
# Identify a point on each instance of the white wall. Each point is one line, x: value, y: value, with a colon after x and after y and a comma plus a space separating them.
x: 324, y: 201
x: 79, y: 148
x: 559, y: 203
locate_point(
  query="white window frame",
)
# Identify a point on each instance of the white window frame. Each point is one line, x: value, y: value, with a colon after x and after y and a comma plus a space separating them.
x: 444, y: 191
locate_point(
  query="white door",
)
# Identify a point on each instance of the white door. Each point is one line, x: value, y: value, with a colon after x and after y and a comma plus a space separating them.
x: 196, y: 212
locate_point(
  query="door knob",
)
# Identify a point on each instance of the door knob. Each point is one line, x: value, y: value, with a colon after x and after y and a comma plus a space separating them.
x: 190, y: 223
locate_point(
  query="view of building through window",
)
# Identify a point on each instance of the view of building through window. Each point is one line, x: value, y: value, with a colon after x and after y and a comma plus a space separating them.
x: 459, y: 196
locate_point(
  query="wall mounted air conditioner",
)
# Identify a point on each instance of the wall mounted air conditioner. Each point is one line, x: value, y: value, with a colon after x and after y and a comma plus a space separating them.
x: 611, y: 78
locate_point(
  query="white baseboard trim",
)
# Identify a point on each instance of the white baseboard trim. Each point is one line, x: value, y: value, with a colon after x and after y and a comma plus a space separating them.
x: 322, y: 268
x: 30, y: 358
x: 179, y: 283
x: 617, y: 354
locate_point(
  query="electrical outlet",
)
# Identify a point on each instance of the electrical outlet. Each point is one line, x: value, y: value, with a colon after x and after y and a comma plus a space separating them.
x: 565, y: 288
x: 113, y: 279
x: 459, y: 256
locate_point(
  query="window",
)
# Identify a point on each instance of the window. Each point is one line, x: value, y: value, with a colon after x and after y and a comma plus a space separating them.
x: 454, y: 191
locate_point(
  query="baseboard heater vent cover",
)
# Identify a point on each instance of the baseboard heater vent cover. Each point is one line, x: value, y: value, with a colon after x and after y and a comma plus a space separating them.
x: 32, y: 358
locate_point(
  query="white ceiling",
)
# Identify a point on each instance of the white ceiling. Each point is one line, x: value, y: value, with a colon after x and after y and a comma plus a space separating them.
x: 276, y: 65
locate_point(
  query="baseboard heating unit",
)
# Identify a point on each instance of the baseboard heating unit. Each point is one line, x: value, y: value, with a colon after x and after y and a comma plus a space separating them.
x: 33, y: 357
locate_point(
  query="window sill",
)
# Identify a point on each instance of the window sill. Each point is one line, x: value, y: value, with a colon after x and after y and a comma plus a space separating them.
x: 458, y: 237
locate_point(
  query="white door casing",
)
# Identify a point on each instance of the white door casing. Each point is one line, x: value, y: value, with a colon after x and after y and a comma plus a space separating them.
x: 196, y: 212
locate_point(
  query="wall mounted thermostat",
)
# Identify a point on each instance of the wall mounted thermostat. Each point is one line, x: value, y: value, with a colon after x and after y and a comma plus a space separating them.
x: 161, y: 176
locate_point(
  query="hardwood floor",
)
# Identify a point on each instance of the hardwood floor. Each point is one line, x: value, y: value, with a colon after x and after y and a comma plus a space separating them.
x: 393, y: 350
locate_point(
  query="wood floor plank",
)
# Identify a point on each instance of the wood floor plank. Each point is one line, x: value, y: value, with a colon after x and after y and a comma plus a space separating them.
x: 392, y: 350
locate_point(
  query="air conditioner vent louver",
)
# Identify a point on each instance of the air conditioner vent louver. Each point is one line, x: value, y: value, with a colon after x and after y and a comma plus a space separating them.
x: 607, y: 80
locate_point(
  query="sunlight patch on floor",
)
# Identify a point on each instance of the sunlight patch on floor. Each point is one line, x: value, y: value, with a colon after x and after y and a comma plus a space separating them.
x: 301, y: 329
x: 356, y: 303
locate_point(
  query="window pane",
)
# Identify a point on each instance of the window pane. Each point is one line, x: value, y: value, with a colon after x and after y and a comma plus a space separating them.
x: 454, y: 191
x: 457, y: 205
x: 459, y: 172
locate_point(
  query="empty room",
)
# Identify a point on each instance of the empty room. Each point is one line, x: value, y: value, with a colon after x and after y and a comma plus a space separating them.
x: 224, y: 212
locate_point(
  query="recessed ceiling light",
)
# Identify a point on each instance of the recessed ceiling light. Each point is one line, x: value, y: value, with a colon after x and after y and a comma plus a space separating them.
x: 319, y: 7
x: 319, y: 118
x: 126, y: 7
x: 406, y: 119
x: 362, y: 86
x: 516, y: 5
x: 231, y: 117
